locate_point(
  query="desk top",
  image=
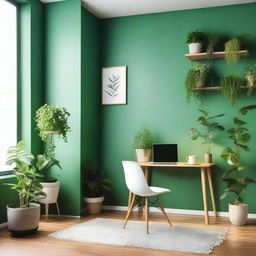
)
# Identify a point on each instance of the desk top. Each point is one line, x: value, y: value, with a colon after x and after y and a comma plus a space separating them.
x: 179, y: 164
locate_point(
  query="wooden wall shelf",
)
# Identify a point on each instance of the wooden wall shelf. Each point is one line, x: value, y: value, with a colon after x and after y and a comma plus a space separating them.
x: 216, y: 88
x: 214, y: 55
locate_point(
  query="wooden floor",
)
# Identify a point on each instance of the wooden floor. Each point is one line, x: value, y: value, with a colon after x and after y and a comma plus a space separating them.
x: 240, y: 241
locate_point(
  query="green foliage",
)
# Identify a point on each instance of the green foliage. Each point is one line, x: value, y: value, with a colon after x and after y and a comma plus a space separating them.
x: 51, y: 118
x: 244, y: 110
x: 251, y: 78
x: 95, y: 183
x: 231, y: 50
x: 209, y: 127
x: 195, y: 37
x: 143, y: 139
x: 230, y: 86
x: 212, y: 40
x: 236, y: 183
x: 26, y: 171
x: 199, y: 72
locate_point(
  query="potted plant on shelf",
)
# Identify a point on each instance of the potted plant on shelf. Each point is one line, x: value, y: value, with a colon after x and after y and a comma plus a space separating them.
x: 95, y: 186
x: 212, y: 40
x: 51, y: 120
x: 142, y: 144
x: 23, y: 218
x: 230, y: 86
x: 206, y: 121
x: 232, y: 48
x: 250, y: 76
x: 196, y: 78
x: 236, y: 182
x: 195, y: 41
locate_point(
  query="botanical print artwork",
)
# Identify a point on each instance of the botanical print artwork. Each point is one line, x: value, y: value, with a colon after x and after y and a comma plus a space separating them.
x: 113, y: 85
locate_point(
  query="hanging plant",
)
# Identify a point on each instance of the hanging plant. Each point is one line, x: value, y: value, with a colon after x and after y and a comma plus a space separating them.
x: 231, y: 50
x: 230, y: 86
x: 196, y: 78
x: 250, y: 76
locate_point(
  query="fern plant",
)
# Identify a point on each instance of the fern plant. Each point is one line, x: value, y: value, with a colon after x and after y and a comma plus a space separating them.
x: 231, y: 50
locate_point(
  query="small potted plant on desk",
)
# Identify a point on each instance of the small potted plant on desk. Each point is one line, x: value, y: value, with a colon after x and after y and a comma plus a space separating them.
x: 142, y: 144
x: 236, y: 183
x: 95, y: 186
x: 207, y: 137
x: 23, y: 218
x: 51, y: 120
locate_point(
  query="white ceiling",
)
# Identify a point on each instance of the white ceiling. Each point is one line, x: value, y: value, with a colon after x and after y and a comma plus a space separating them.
x: 50, y: 1
x: 118, y: 8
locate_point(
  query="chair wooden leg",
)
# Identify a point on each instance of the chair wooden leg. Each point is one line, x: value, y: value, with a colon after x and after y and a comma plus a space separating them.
x: 146, y: 208
x: 163, y: 211
x: 46, y: 211
x: 58, y: 209
x: 129, y: 210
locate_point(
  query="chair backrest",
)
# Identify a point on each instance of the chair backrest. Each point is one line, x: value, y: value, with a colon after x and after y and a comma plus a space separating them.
x: 135, y: 179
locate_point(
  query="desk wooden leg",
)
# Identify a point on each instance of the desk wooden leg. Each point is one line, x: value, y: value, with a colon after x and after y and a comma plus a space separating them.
x: 209, y: 174
x: 203, y: 180
x: 147, y: 172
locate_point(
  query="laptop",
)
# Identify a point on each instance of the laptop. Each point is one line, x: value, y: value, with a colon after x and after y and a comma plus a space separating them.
x: 165, y: 153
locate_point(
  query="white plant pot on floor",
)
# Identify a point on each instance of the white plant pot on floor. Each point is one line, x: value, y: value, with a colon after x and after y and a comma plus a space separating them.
x: 238, y: 214
x: 195, y: 48
x: 51, y: 189
x: 93, y: 204
x: 143, y: 155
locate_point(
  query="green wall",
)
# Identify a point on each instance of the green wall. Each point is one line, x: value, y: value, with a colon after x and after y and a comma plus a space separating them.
x: 63, y: 88
x: 153, y: 48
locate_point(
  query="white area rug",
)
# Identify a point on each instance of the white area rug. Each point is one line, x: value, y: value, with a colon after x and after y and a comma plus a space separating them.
x: 161, y: 236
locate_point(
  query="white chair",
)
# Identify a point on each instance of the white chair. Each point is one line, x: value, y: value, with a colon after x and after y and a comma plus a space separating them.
x: 137, y: 185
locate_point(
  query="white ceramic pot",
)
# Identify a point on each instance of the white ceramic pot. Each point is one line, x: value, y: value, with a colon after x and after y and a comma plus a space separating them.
x: 93, y: 204
x: 23, y: 221
x: 238, y: 214
x: 195, y: 47
x: 143, y: 155
x: 51, y: 189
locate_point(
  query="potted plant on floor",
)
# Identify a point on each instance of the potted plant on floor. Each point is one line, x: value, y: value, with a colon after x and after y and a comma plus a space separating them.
x: 50, y: 121
x: 95, y: 187
x: 250, y: 76
x: 23, y: 218
x: 236, y: 182
x: 195, y: 41
x: 207, y: 137
x: 142, y: 144
x: 196, y: 78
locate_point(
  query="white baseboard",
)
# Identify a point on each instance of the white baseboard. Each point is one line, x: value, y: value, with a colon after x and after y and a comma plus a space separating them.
x: 176, y: 211
x: 3, y: 225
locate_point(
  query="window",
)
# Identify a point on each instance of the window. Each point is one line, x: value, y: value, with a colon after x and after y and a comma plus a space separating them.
x: 8, y: 79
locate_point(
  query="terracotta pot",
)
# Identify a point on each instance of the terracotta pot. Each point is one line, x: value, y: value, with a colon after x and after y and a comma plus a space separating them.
x: 51, y: 189
x: 208, y: 158
x: 93, y: 204
x: 143, y: 155
x: 238, y: 213
x: 23, y: 221
x: 195, y: 48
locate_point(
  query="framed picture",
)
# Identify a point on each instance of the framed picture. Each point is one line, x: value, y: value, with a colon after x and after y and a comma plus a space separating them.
x: 113, y: 88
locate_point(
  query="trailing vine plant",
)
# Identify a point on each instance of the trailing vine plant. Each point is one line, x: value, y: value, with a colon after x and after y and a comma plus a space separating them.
x: 231, y: 50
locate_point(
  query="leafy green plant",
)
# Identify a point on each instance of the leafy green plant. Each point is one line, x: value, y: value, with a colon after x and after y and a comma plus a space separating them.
x: 212, y: 40
x: 245, y: 110
x: 195, y: 37
x: 196, y: 76
x: 95, y: 183
x: 26, y: 172
x: 230, y: 86
x: 236, y: 183
x: 143, y: 139
x: 209, y: 126
x: 50, y: 120
x: 231, y: 50
x: 250, y: 76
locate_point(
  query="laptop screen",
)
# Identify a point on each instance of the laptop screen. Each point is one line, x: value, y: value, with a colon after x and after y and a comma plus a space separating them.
x: 165, y: 153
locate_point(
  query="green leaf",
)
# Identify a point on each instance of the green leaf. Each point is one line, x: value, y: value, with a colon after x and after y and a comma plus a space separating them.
x: 232, y: 169
x: 244, y: 138
x: 244, y: 147
x: 244, y: 110
x: 193, y: 134
x: 203, y: 112
x: 202, y: 120
x: 215, y: 116
x: 238, y: 121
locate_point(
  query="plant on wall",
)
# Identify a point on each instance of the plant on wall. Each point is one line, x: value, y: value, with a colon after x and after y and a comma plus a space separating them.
x: 212, y: 40
x: 209, y: 126
x: 195, y: 37
x: 196, y: 78
x: 250, y: 76
x: 230, y: 86
x: 231, y: 50
x: 236, y: 183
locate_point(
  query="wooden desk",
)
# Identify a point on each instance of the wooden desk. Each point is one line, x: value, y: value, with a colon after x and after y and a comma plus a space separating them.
x: 205, y: 171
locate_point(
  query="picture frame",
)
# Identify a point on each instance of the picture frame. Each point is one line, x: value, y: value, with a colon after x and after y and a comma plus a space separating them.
x: 113, y: 85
